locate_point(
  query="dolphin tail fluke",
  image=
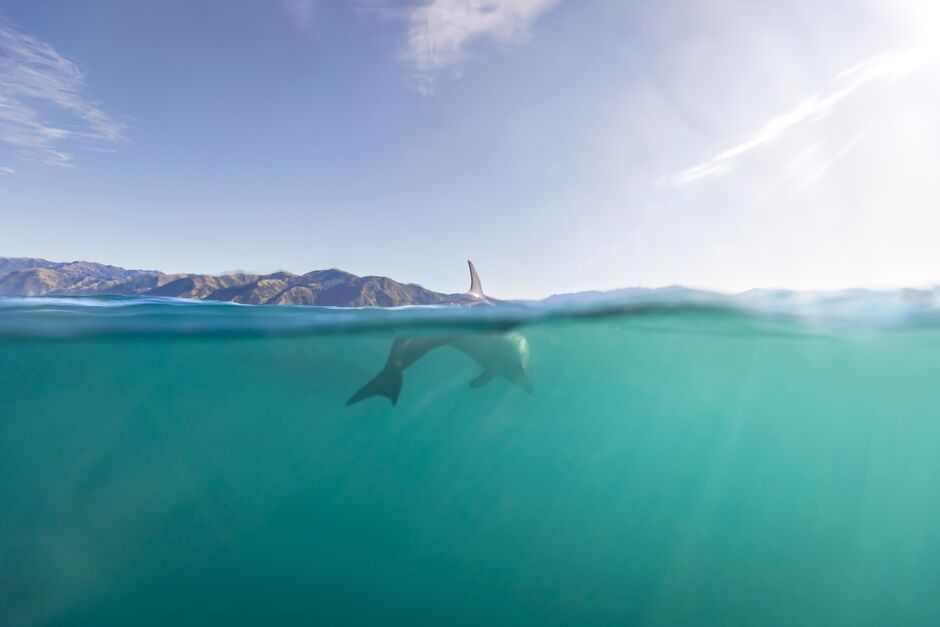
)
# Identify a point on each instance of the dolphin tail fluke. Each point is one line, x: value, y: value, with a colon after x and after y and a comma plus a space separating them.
x: 475, y: 288
x: 387, y: 383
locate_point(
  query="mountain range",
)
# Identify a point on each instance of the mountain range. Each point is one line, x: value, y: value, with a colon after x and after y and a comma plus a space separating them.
x: 22, y: 276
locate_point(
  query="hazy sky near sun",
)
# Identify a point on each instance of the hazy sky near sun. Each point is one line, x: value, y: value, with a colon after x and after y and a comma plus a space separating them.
x: 561, y: 144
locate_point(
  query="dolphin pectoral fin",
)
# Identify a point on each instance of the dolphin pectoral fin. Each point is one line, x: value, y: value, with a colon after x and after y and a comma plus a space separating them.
x: 387, y: 383
x: 485, y: 377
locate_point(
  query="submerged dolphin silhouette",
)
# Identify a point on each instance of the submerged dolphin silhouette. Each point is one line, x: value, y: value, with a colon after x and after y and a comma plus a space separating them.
x: 500, y: 354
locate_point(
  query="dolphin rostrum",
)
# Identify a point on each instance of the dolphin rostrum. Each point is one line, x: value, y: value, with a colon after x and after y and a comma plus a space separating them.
x: 501, y: 354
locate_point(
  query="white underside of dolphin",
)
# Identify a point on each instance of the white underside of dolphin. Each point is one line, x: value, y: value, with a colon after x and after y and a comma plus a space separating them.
x: 502, y: 355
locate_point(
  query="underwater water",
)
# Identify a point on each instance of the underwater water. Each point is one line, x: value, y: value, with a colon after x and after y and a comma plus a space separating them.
x: 681, y: 461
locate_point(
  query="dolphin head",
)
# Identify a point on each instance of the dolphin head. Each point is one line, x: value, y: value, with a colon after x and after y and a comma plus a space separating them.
x: 523, y: 381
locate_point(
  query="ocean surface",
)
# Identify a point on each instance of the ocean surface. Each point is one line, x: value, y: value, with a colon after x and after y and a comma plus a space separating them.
x: 683, y: 459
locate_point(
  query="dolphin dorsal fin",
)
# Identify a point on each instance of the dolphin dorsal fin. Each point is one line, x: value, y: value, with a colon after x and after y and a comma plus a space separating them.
x: 475, y: 288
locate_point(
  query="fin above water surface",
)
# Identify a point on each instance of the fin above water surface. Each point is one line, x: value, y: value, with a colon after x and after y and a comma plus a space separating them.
x: 475, y: 288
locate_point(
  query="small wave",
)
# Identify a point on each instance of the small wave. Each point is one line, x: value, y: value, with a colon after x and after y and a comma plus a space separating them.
x: 122, y: 315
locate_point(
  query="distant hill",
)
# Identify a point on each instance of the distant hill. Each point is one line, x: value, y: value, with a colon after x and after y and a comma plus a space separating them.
x: 593, y: 296
x: 20, y: 276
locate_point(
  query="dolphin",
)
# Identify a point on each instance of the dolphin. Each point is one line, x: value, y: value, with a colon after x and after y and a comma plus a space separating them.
x: 503, y: 354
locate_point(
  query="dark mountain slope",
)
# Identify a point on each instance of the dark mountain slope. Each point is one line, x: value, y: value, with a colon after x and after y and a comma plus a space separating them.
x: 335, y: 288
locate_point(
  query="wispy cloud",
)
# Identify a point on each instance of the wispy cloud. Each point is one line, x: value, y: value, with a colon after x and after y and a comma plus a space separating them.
x: 440, y: 31
x: 6, y: 170
x: 885, y: 67
x: 301, y: 12
x: 44, y: 110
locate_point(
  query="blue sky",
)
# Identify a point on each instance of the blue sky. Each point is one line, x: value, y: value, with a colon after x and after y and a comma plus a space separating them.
x: 561, y: 144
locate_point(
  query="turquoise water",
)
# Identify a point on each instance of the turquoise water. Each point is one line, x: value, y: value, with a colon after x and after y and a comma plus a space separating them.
x: 683, y: 460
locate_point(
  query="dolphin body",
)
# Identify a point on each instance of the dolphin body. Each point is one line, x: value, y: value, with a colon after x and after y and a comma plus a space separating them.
x: 500, y: 354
